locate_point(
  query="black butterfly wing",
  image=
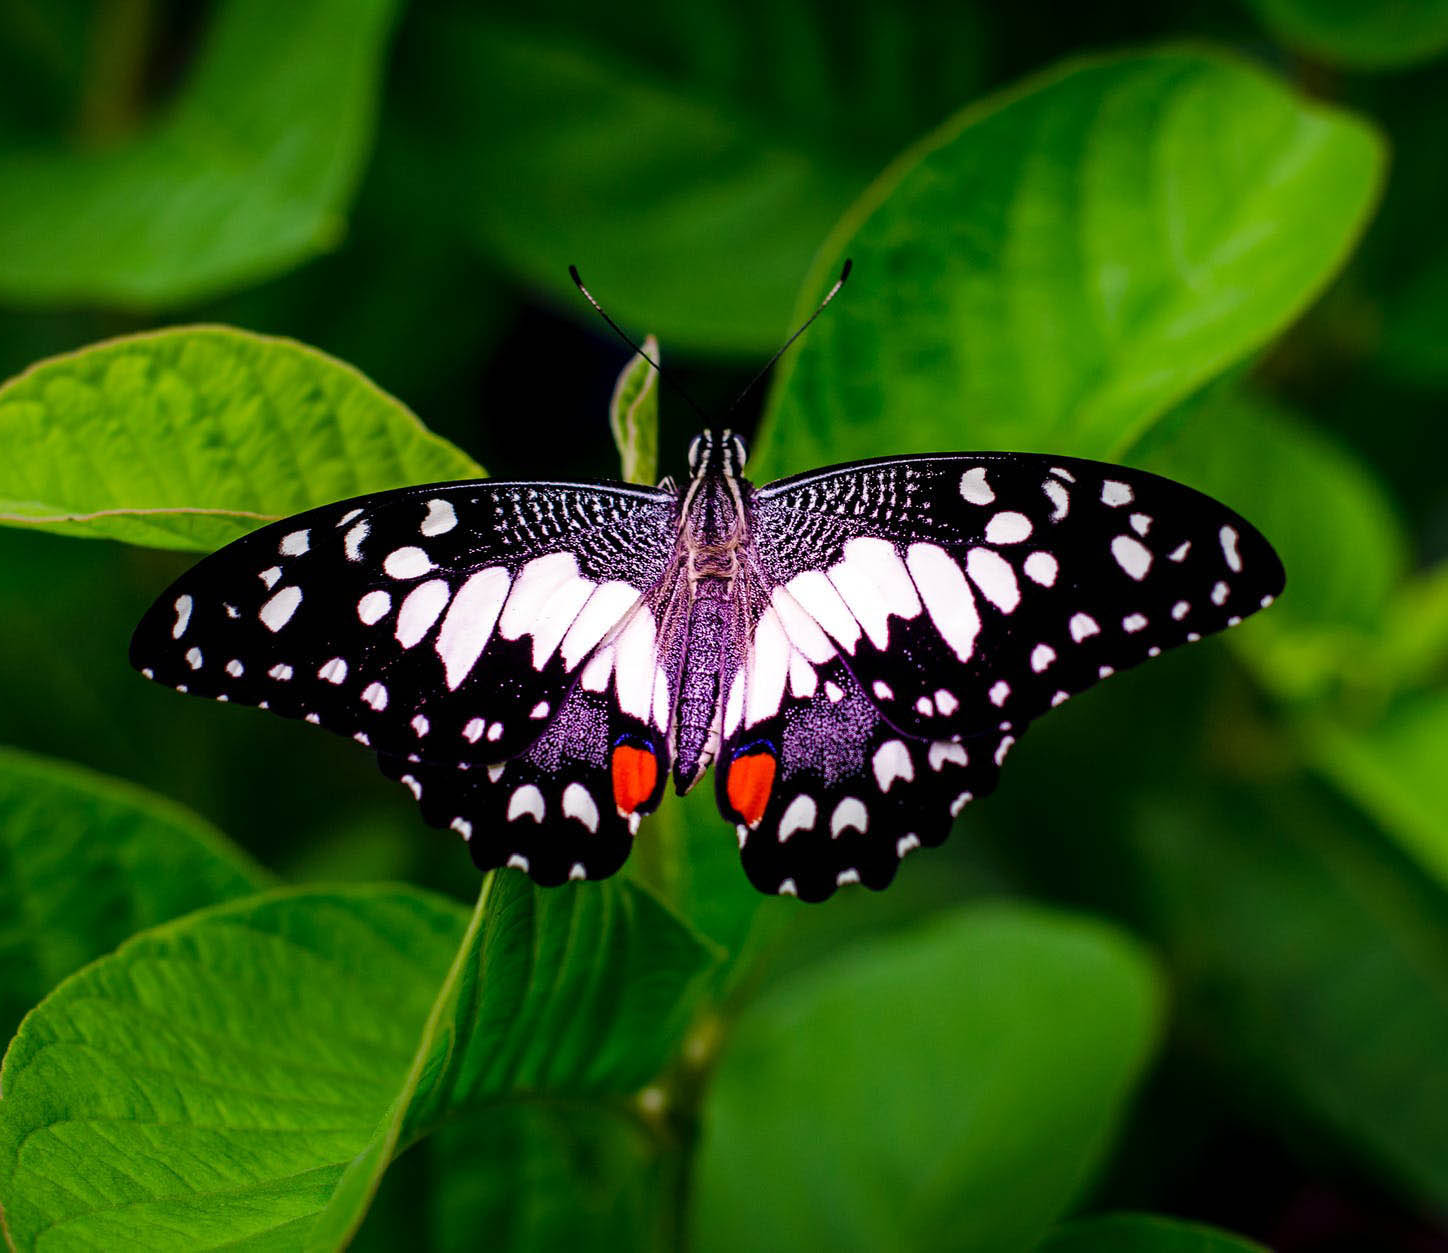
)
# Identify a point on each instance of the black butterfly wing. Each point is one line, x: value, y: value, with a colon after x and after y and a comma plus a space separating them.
x: 444, y: 622
x: 566, y: 808
x: 976, y: 589
x: 825, y: 792
x: 907, y: 619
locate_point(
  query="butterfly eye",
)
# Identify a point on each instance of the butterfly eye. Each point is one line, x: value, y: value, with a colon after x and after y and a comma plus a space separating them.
x: 741, y: 454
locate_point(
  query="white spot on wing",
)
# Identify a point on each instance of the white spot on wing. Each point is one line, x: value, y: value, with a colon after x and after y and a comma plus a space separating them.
x: 1041, y: 568
x: 270, y: 575
x: 1140, y: 523
x: 974, y: 487
x: 295, y: 544
x: 1131, y: 555
x: 527, y: 800
x: 1220, y: 592
x: 942, y: 751
x: 352, y: 541
x: 373, y: 607
x: 183, y: 616
x: 802, y: 630
x: 407, y: 563
x: 834, y: 692
x: 1041, y: 657
x: 277, y: 611
x: 468, y: 626
x: 818, y: 597
x: 193, y: 658
x: 235, y: 669
x: 765, y: 669
x: 799, y: 815
x: 873, y: 582
x: 849, y: 814
x: 1083, y: 626
x: 1115, y: 493
x: 420, y: 724
x: 945, y: 702
x: 634, y: 665
x: 548, y: 595
x: 375, y: 694
x: 1179, y: 553
x: 992, y: 573
x: 1228, y: 536
x: 334, y: 671
x: 1000, y: 692
x: 603, y: 611
x: 420, y: 609
x: 441, y: 518
x: 906, y: 844
x: 1133, y: 622
x: 891, y: 762
x: 281, y: 672
x: 1007, y: 527
x: 882, y: 690
x: 947, y: 596
x: 540, y: 710
x: 578, y: 803
x: 1059, y: 497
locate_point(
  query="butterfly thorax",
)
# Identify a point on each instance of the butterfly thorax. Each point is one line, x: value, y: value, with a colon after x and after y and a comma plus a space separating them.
x: 712, y: 545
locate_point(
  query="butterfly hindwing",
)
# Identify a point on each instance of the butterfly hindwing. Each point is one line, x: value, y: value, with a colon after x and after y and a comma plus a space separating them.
x: 825, y: 792
x: 446, y: 622
x: 976, y: 589
x: 567, y: 808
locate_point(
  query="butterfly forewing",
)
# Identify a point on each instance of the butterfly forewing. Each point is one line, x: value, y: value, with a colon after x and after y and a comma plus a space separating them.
x: 445, y: 622
x: 978, y: 589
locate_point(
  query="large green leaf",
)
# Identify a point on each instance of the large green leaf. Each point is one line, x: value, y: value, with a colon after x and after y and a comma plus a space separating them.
x: 219, y: 1080
x: 1143, y: 1233
x: 188, y: 438
x: 567, y: 992
x: 1055, y: 268
x: 1312, y: 963
x: 1394, y: 769
x: 949, y: 1086
x: 206, y: 1085
x: 1359, y: 33
x: 248, y: 173
x: 86, y: 862
x: 688, y: 159
x: 540, y: 1177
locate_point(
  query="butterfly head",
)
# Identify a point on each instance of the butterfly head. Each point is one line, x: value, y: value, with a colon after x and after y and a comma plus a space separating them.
x: 720, y: 452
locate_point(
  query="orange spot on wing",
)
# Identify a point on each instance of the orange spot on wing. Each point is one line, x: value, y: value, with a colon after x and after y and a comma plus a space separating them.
x: 751, y: 777
x: 635, y: 772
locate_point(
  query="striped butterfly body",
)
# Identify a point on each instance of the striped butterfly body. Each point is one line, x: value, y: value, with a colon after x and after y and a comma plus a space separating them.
x: 854, y: 649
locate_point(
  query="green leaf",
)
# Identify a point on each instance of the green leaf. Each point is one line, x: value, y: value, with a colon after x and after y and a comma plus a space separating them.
x: 86, y: 862
x: 1311, y: 961
x: 189, y: 438
x: 545, y: 1176
x: 633, y: 415
x: 951, y: 1086
x: 1394, y: 769
x: 688, y: 212
x: 1343, y: 568
x: 1143, y: 1233
x: 219, y: 1080
x: 247, y: 174
x: 1366, y: 34
x: 564, y: 992
x: 206, y: 1085
x: 1055, y: 268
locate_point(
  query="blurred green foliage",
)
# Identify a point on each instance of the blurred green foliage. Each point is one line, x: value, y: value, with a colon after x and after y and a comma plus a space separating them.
x: 1221, y: 992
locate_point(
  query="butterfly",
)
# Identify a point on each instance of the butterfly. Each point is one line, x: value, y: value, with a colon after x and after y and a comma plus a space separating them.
x: 854, y: 649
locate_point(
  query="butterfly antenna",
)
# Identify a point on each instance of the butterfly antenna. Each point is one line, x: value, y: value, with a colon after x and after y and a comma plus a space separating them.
x: 618, y: 330
x: 769, y: 365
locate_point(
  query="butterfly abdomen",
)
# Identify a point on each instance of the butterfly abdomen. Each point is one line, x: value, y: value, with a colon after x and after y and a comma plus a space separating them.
x: 696, y: 715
